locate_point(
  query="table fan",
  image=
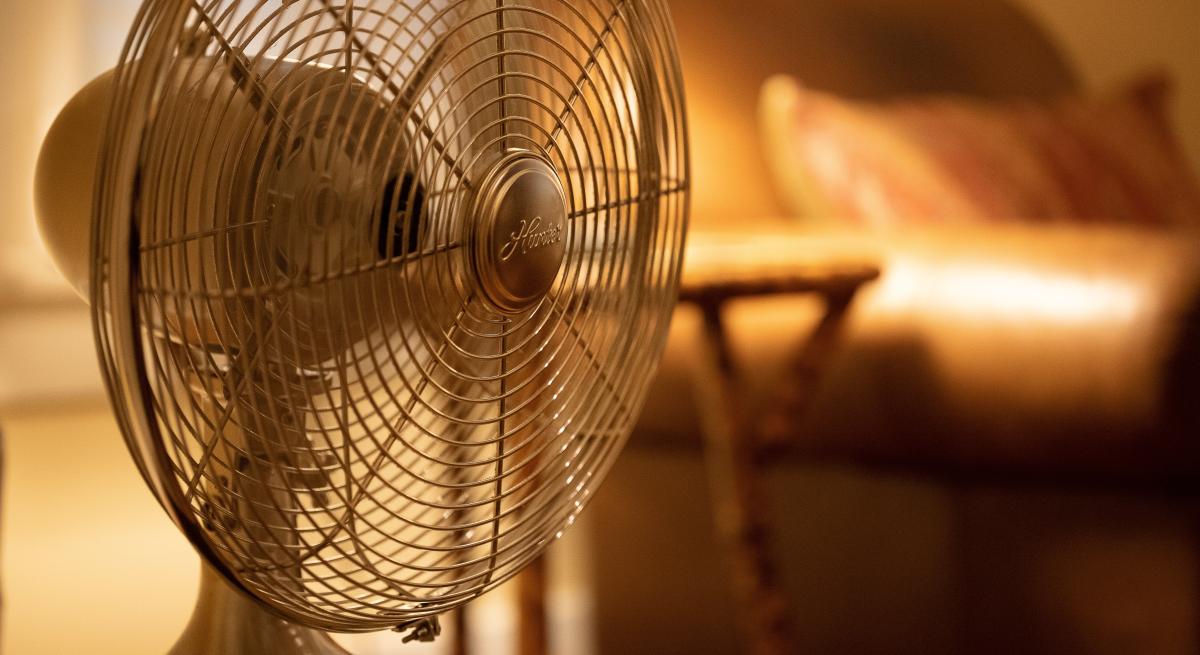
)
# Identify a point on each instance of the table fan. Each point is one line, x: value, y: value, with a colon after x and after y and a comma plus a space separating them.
x: 377, y: 287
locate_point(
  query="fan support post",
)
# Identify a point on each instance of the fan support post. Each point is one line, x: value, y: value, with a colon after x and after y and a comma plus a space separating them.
x: 226, y: 622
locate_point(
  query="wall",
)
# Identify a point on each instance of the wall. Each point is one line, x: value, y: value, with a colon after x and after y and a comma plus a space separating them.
x: 1111, y: 41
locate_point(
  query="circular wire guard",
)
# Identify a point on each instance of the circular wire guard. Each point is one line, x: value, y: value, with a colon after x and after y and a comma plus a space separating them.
x: 290, y: 307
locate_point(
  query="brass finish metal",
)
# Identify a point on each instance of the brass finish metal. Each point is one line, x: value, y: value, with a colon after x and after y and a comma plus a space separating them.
x: 377, y: 285
x: 227, y: 622
x: 519, y: 232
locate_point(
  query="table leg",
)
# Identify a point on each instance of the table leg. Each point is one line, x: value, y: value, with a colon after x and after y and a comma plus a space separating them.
x: 531, y: 609
x: 739, y: 494
x: 460, y: 639
x: 796, y: 392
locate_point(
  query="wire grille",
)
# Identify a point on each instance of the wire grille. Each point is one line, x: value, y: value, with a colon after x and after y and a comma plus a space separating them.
x: 300, y: 353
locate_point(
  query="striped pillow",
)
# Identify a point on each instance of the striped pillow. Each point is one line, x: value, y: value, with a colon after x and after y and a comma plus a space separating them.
x: 949, y: 159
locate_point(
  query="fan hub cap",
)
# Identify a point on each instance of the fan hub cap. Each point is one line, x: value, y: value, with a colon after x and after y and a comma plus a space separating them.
x: 520, y: 223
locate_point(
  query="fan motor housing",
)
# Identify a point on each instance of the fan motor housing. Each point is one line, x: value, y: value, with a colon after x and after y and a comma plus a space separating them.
x: 518, y: 232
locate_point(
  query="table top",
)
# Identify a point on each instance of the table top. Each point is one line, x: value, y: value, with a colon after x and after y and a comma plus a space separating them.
x: 725, y: 264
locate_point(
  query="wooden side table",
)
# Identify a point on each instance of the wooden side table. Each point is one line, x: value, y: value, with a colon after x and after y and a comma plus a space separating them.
x: 721, y: 269
x: 735, y: 451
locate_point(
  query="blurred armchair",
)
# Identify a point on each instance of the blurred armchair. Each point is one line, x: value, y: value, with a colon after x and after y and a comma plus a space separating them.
x: 1002, y: 456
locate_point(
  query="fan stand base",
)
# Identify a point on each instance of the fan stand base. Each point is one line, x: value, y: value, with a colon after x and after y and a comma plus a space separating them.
x: 225, y: 622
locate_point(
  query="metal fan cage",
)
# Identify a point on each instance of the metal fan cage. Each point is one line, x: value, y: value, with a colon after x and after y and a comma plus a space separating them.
x: 289, y: 300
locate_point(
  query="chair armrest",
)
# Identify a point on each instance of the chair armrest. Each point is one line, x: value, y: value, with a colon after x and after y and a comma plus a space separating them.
x: 1015, y: 350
